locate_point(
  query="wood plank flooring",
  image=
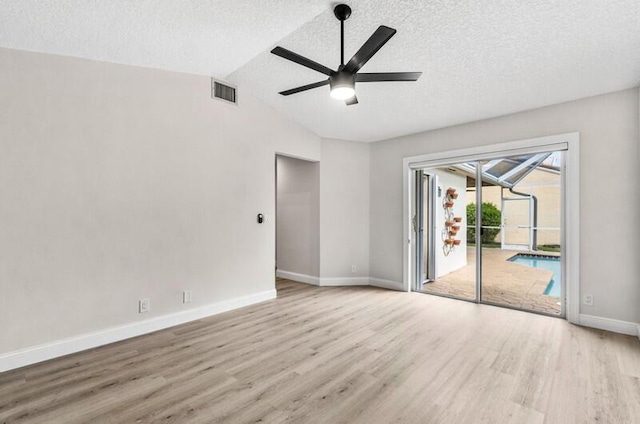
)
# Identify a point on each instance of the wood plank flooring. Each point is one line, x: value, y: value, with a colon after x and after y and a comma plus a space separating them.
x: 342, y: 355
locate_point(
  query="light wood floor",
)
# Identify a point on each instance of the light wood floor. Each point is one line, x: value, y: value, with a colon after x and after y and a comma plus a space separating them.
x: 342, y: 355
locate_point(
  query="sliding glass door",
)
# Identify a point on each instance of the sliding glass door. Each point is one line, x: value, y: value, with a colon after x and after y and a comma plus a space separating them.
x: 490, y: 231
x: 521, y: 232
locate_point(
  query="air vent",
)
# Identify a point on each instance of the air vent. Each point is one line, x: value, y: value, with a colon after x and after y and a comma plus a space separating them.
x: 223, y: 92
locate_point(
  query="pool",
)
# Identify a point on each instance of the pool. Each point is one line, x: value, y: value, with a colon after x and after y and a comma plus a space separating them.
x: 552, y: 263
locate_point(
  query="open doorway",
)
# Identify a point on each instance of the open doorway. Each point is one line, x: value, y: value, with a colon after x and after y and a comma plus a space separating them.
x: 442, y: 245
x: 297, y: 219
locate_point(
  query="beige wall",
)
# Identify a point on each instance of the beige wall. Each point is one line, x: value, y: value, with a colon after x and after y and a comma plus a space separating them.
x: 118, y: 183
x: 608, y: 127
x: 546, y: 187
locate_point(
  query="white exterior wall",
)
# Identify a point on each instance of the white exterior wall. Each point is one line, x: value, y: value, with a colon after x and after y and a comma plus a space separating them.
x: 457, y: 258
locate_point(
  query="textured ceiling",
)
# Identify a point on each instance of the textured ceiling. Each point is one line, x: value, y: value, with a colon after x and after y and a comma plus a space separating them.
x: 207, y: 37
x: 479, y: 58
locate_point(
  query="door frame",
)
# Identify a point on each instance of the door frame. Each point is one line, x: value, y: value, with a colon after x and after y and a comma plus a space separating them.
x: 570, y: 221
x: 423, y: 223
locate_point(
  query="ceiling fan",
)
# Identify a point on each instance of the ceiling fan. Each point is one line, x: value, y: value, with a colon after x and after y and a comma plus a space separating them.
x: 343, y: 81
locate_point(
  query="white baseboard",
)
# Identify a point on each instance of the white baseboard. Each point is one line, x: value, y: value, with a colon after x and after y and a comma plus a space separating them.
x: 301, y: 278
x: 345, y: 281
x: 386, y: 284
x: 609, y: 324
x: 32, y: 355
x: 338, y: 281
x: 316, y: 281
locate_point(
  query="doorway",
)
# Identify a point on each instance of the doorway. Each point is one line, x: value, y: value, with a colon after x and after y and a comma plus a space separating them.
x: 297, y: 219
x: 492, y: 228
x: 440, y: 239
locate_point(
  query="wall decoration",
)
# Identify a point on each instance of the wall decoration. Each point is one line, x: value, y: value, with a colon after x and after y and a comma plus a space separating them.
x: 451, y: 223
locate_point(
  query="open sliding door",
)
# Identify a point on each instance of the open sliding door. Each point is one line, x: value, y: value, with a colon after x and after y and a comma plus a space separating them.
x: 490, y: 231
x: 445, y: 262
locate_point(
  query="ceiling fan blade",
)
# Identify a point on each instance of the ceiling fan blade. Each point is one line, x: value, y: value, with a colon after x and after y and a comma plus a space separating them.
x: 388, y: 76
x: 301, y: 60
x: 352, y: 101
x: 369, y: 48
x: 304, y: 87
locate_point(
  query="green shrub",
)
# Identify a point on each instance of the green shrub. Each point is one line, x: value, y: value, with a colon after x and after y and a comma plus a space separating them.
x: 491, y: 216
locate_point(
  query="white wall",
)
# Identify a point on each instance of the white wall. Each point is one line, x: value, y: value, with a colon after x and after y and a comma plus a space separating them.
x: 298, y: 216
x: 118, y: 183
x: 457, y: 258
x: 608, y: 127
x: 344, y: 210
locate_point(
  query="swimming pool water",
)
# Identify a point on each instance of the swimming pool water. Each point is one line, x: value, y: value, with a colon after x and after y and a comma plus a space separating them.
x: 544, y: 262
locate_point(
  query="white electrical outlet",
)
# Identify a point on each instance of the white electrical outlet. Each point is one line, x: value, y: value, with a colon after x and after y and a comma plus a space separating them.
x: 354, y: 269
x: 144, y: 305
x: 187, y: 296
x: 588, y: 299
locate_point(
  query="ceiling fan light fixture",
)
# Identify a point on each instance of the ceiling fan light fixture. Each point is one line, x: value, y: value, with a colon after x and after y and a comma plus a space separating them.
x: 343, y: 85
x: 342, y: 93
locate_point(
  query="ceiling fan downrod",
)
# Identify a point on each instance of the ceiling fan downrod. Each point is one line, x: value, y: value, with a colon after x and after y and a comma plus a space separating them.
x: 342, y: 12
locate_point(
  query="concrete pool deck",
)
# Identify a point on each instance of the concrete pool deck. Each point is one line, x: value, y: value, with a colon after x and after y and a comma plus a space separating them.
x: 503, y: 282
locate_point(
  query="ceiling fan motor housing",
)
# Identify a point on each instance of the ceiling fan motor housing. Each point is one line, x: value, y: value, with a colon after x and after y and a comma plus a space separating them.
x: 342, y: 81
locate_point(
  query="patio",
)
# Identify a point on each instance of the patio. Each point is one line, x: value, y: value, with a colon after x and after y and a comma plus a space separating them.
x: 503, y: 282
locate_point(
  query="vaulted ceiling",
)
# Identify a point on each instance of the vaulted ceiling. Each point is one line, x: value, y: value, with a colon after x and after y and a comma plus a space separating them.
x: 479, y: 58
